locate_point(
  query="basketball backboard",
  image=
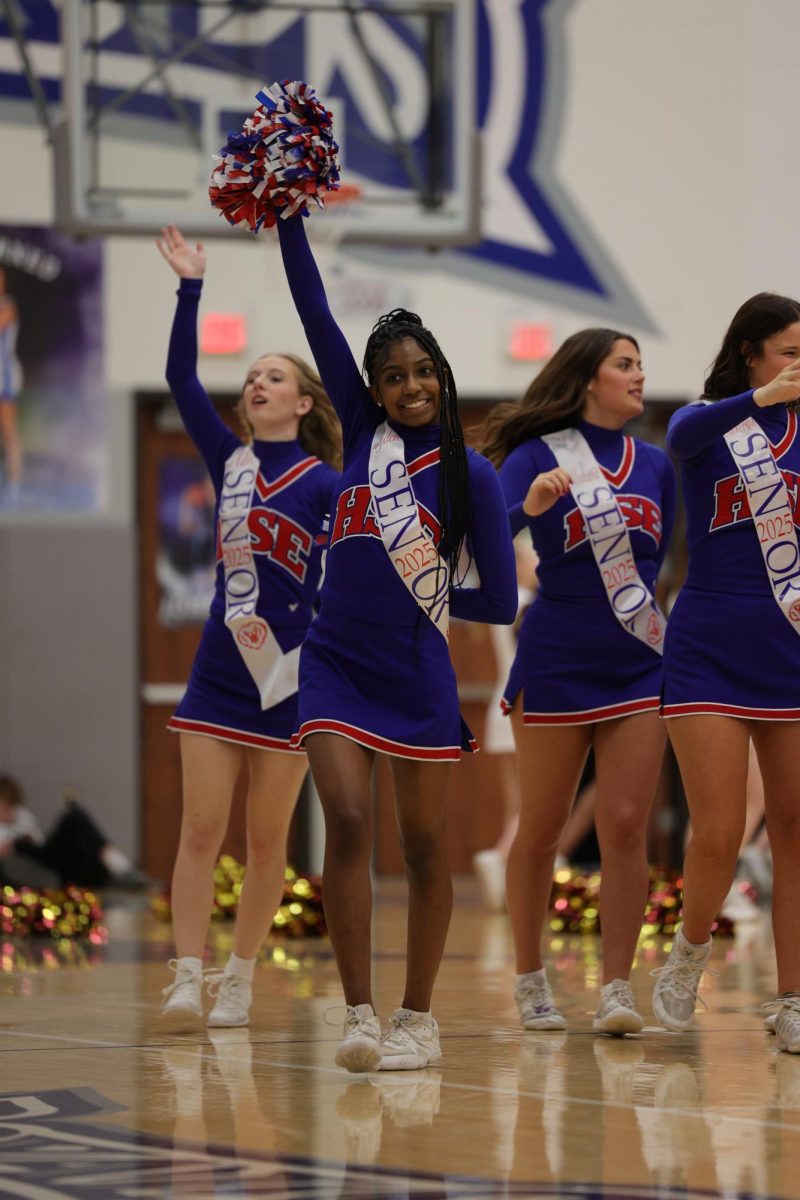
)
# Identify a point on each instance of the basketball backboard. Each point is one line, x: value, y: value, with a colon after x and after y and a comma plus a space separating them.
x: 151, y: 90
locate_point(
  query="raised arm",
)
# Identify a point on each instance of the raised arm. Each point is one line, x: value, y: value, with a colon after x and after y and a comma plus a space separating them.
x: 210, y: 435
x: 495, y: 601
x: 335, y: 363
x: 693, y: 428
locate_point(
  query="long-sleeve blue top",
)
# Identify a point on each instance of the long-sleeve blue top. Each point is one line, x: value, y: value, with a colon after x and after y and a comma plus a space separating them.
x: 284, y: 521
x: 724, y: 552
x: 643, y: 481
x: 359, y: 576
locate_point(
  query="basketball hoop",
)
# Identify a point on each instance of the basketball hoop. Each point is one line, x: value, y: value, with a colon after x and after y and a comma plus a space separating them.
x: 328, y: 227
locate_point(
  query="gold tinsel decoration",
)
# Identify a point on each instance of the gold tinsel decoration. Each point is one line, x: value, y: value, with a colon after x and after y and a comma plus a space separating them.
x: 574, y: 903
x: 299, y: 915
x: 69, y: 913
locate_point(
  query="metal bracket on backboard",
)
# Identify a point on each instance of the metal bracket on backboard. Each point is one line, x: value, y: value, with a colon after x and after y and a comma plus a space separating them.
x: 118, y: 170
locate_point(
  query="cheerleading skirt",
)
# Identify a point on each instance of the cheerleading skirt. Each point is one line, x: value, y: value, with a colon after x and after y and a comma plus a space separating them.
x: 389, y: 688
x: 730, y: 654
x: 576, y: 665
x: 222, y: 701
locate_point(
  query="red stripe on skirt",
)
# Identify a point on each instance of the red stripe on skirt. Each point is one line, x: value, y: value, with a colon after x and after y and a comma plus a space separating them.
x: 374, y: 742
x: 181, y: 725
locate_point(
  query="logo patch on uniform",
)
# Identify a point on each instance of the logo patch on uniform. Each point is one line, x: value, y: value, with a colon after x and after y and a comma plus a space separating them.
x: 252, y: 635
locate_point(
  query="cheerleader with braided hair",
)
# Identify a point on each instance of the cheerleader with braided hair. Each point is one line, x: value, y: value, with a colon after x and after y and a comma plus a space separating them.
x: 375, y: 673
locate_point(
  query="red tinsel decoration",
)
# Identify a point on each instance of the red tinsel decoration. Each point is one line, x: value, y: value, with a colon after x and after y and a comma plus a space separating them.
x: 73, y: 912
x: 574, y: 903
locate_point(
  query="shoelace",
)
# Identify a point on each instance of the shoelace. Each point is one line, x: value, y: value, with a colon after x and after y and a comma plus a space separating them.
x: 352, y: 1019
x: 407, y: 1022
x: 188, y: 977
x: 538, y: 994
x: 790, y: 1000
x: 620, y: 993
x: 217, y: 980
x: 681, y: 977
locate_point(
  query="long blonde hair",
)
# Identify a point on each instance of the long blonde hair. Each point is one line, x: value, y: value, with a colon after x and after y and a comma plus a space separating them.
x: 318, y: 431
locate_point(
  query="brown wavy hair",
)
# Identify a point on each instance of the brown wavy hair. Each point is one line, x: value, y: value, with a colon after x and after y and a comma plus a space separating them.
x: 758, y: 318
x: 555, y: 398
x: 319, y: 431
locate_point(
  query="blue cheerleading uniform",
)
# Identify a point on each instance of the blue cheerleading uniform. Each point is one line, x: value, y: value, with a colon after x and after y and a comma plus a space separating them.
x: 575, y: 664
x: 291, y: 499
x: 729, y: 649
x: 374, y: 668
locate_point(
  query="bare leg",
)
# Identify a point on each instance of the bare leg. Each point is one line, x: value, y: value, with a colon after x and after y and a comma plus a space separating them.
x: 342, y: 772
x: 712, y: 753
x: 275, y: 781
x: 420, y: 792
x: 210, y: 770
x: 550, y: 761
x: 628, y: 753
x: 12, y: 445
x: 778, y: 748
x: 580, y: 821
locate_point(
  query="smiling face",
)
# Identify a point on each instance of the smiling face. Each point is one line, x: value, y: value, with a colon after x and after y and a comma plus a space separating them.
x: 777, y: 351
x: 406, y: 384
x: 616, y: 393
x: 272, y: 401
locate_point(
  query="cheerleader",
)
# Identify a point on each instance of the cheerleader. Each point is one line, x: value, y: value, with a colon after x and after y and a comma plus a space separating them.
x: 375, y: 673
x: 587, y: 672
x: 273, y: 493
x: 732, y: 657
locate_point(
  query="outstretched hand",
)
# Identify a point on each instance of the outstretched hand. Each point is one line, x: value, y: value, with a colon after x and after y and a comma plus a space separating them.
x: 783, y: 389
x: 186, y: 261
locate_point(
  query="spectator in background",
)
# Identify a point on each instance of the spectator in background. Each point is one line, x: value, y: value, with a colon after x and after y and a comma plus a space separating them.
x: 74, y: 851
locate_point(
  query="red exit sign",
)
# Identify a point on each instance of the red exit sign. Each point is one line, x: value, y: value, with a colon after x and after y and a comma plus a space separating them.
x: 223, y: 333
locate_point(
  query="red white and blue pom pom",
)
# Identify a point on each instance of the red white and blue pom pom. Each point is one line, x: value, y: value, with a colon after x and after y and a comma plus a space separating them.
x: 285, y: 156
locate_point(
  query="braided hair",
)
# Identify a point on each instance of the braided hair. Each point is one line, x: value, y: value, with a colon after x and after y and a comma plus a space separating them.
x: 454, y: 498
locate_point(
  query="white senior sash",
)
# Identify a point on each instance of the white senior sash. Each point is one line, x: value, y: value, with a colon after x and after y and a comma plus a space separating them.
x: 413, y: 554
x: 772, y: 514
x: 631, y: 602
x: 274, y: 673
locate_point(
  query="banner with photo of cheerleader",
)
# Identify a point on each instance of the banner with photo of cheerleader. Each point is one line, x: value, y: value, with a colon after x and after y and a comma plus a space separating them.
x: 52, y: 391
x: 186, y: 561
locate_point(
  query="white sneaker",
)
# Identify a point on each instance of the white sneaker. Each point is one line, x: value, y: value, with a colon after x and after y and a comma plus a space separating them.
x: 617, y: 1013
x: 360, y: 1048
x: 410, y: 1042
x: 535, y: 1002
x: 182, y: 1008
x: 234, y: 995
x: 675, y: 994
x: 490, y: 871
x: 787, y: 1025
x: 770, y: 1021
x: 737, y: 906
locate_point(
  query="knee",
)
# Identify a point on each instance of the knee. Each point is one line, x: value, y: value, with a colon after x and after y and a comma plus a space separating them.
x: 624, y: 832
x: 202, y: 839
x: 422, y: 850
x: 261, y: 851
x: 719, y: 845
x: 348, y: 829
x: 784, y: 830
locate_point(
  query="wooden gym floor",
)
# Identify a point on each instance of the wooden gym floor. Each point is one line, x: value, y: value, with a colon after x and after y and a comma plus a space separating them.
x: 96, y: 1101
